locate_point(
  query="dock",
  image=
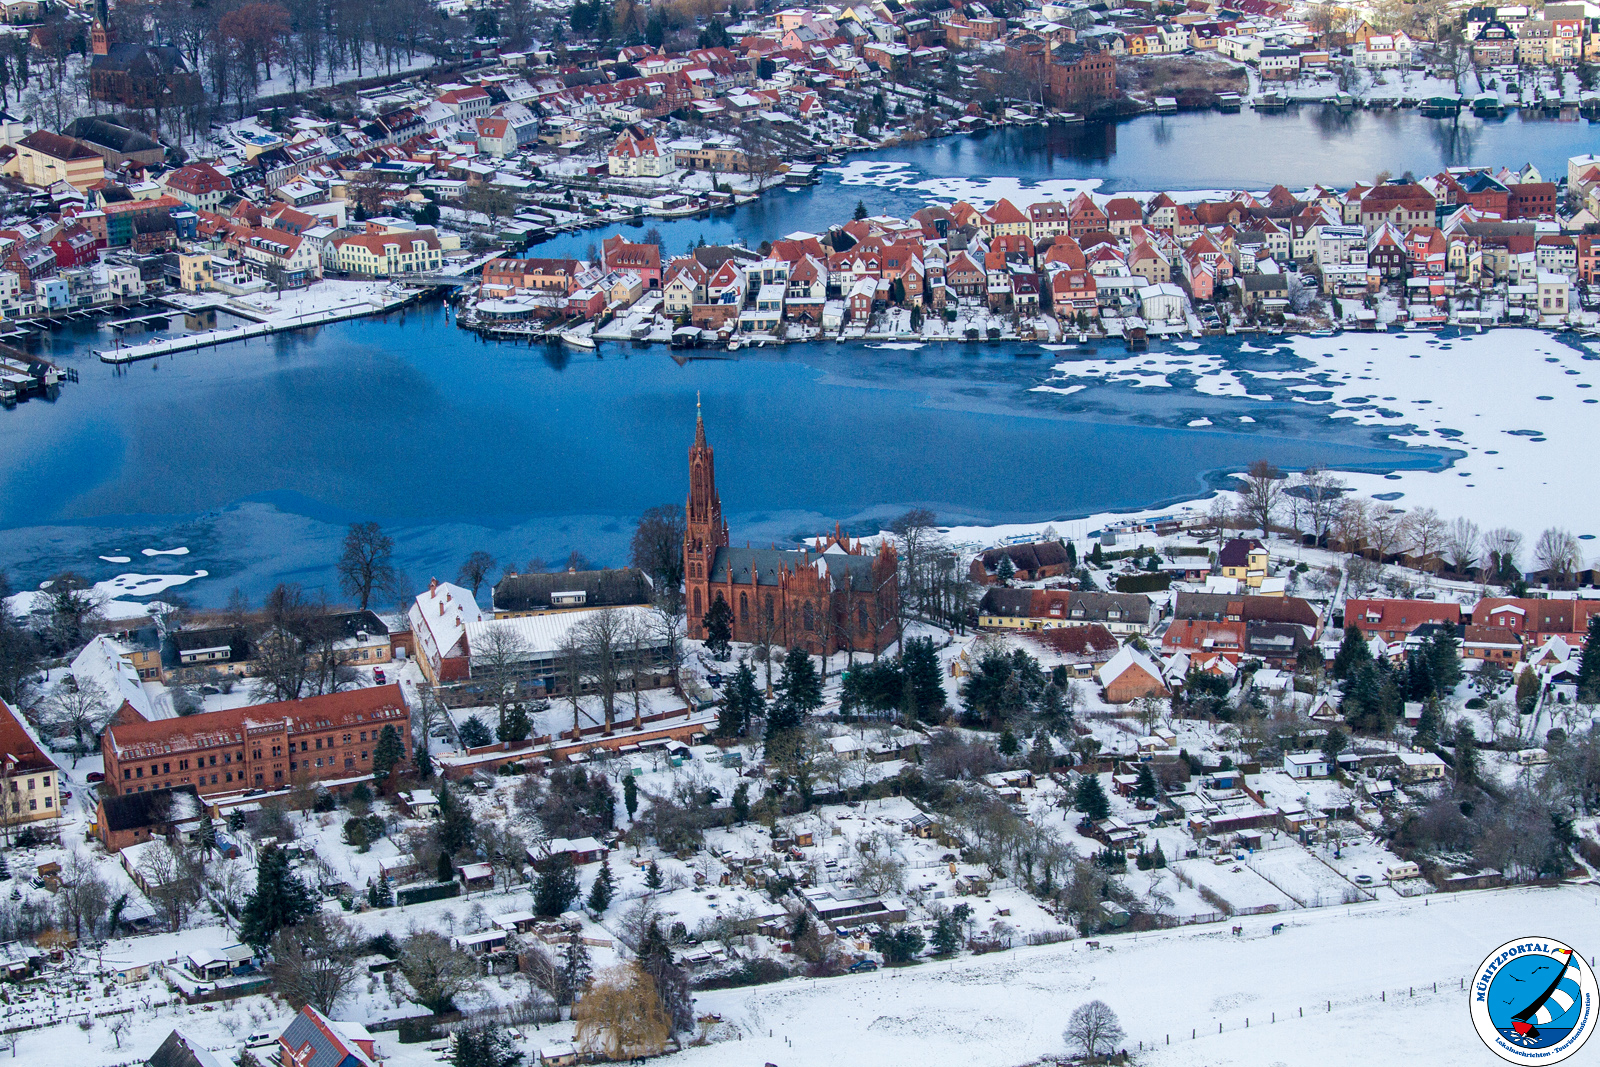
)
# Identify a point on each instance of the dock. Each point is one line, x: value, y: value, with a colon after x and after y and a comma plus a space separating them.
x: 211, y: 338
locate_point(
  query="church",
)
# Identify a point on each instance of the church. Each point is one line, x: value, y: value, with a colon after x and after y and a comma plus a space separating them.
x: 833, y: 596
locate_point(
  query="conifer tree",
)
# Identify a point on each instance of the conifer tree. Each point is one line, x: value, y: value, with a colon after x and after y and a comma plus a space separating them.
x: 280, y: 899
x: 604, y: 888
x: 1090, y: 798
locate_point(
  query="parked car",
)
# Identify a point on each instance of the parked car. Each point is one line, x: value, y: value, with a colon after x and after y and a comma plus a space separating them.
x: 863, y: 966
x: 94, y: 776
x: 378, y: 676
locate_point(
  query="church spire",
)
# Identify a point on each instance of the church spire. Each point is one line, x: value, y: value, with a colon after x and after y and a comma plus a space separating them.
x: 699, y: 423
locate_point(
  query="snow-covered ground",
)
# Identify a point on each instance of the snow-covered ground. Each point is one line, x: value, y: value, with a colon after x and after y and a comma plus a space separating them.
x: 1010, y: 1008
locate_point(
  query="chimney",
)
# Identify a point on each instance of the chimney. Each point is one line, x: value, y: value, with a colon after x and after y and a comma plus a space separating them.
x: 441, y: 611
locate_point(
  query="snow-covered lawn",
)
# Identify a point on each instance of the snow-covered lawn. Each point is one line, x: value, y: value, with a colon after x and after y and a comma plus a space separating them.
x: 1009, y: 1008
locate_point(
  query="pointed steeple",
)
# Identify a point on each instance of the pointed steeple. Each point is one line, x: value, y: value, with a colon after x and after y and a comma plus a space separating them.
x: 699, y: 423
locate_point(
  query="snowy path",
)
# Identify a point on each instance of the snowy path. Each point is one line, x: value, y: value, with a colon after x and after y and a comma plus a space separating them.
x: 1008, y: 1009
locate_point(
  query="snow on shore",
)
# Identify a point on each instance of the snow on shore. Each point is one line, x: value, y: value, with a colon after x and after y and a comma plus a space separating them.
x: 1516, y: 404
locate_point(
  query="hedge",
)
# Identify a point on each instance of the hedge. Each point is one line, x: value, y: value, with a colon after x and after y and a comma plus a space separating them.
x: 421, y: 894
x: 1143, y: 583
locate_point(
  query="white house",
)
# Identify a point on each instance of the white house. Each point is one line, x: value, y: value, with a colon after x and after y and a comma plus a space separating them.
x: 1305, y: 765
x: 1159, y: 303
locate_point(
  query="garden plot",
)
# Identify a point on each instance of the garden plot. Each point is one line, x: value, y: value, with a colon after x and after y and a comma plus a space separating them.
x: 1242, y: 889
x: 1299, y: 875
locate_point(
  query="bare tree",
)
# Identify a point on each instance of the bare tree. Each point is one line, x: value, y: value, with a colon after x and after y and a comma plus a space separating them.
x: 475, y: 571
x: 1320, y: 494
x: 84, y: 896
x: 657, y: 548
x: 1461, y: 545
x: 499, y: 655
x: 80, y: 711
x: 426, y: 716
x: 366, y: 566
x: 1218, y: 516
x: 666, y: 622
x: 1259, y: 495
x: 438, y: 972
x: 315, y: 962
x: 1504, y: 547
x: 572, y: 674
x: 504, y: 850
x: 1093, y: 1028
x: 622, y: 1015
x: 1387, y: 530
x: 1557, y: 554
x: 1428, y: 533
x: 170, y: 880
x: 604, y: 640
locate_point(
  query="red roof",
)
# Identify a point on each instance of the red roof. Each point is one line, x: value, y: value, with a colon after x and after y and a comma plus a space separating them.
x: 209, y: 728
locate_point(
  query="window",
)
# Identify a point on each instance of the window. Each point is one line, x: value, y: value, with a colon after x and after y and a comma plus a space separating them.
x: 363, y: 735
x: 363, y: 755
x: 33, y: 805
x: 319, y: 743
x: 347, y: 738
x: 49, y: 802
x: 126, y: 774
x: 348, y: 762
x: 769, y: 609
x: 809, y: 617
x: 744, y: 609
x: 138, y: 773
x: 697, y: 603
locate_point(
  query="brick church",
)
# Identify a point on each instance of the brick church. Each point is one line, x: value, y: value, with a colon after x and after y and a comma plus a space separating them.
x: 832, y: 596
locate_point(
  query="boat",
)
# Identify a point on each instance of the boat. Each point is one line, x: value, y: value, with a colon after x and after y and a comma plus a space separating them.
x: 578, y: 340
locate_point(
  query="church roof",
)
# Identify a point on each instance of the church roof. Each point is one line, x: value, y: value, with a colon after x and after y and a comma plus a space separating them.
x: 764, y: 565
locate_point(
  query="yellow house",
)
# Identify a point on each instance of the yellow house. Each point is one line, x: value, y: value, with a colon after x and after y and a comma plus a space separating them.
x: 44, y: 158
x: 194, y: 271
x: 1246, y: 559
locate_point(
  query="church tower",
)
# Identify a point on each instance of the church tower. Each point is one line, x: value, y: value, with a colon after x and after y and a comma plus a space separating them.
x: 703, y: 530
x: 100, y: 36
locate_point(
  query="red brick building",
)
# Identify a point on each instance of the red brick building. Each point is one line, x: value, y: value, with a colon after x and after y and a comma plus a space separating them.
x: 1081, y: 75
x: 826, y: 598
x: 267, y: 746
x: 1531, y: 200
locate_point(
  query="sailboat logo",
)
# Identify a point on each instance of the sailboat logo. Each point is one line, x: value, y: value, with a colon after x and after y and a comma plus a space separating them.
x: 1534, y: 1000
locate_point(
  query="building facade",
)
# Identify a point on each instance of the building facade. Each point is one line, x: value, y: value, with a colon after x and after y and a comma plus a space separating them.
x: 830, y: 597
x: 268, y: 746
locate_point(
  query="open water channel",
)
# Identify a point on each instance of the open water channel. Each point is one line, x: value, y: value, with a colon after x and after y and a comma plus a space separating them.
x: 254, y: 456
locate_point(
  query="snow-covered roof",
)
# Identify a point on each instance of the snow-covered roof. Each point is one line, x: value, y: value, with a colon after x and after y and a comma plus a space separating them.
x: 101, y: 663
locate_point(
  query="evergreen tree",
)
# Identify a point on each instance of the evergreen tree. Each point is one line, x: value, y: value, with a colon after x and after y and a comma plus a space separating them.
x: 1333, y: 744
x: 924, y: 679
x: 1353, y: 652
x: 1090, y: 798
x: 473, y: 733
x: 5, y: 868
x: 1427, y: 735
x: 1008, y: 745
x: 946, y: 937
x: 742, y: 703
x: 1072, y: 556
x: 672, y: 984
x: 454, y: 828
x: 861, y: 210
x: 575, y: 968
x: 652, y: 876
x: 206, y: 835
x: 517, y: 726
x: 235, y: 820
x: 556, y: 887
x: 383, y: 895
x: 445, y: 869
x: 1467, y: 760
x: 799, y: 694
x: 604, y: 888
x: 1005, y: 570
x: 1145, y: 787
x: 280, y: 899
x: 1589, y: 664
x: 1097, y: 555
x: 386, y: 754
x: 1444, y: 662
x: 484, y: 1045
x: 630, y: 795
x: 1053, y: 709
x: 719, y: 628
x: 741, y: 803
x: 1419, y: 677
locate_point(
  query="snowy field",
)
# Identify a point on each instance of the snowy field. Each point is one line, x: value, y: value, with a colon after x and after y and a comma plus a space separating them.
x: 1009, y: 1008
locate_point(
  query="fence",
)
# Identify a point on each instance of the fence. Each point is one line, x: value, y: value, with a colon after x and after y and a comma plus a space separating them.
x: 1402, y: 997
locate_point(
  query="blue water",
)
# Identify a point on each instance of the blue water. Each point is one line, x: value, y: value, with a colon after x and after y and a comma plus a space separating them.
x: 255, y: 456
x: 1194, y: 150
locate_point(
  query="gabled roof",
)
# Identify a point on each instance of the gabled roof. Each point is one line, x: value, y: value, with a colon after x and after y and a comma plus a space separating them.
x: 377, y: 704
x: 601, y: 588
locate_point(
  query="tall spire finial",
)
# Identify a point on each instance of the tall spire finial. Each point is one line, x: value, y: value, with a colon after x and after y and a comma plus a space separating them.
x: 699, y: 423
